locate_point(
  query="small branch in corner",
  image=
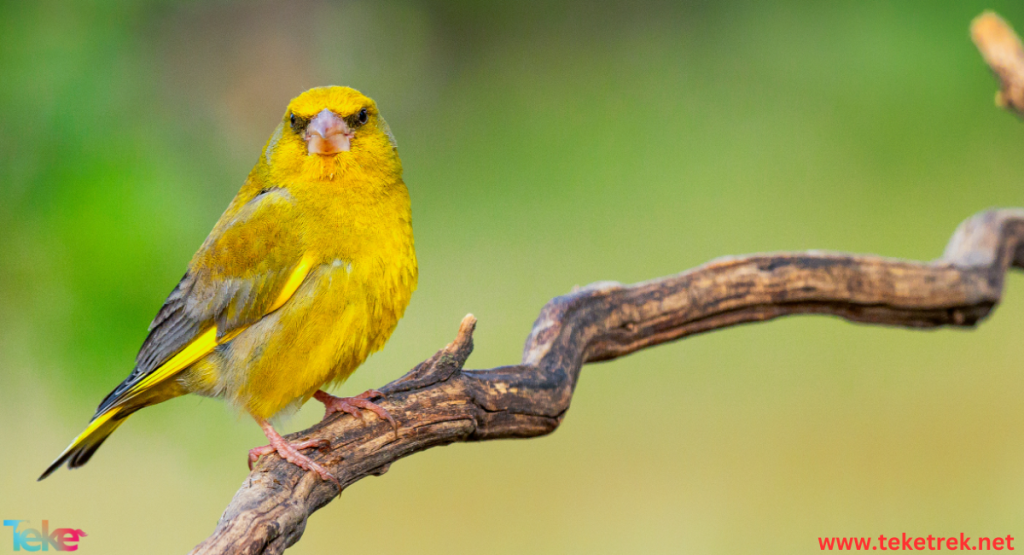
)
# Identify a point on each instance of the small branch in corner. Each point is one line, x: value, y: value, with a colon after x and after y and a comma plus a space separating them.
x: 1002, y: 50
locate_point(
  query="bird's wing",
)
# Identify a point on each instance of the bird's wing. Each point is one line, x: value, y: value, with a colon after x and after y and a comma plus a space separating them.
x: 249, y: 266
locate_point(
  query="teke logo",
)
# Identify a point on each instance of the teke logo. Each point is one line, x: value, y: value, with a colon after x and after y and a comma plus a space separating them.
x: 62, y: 539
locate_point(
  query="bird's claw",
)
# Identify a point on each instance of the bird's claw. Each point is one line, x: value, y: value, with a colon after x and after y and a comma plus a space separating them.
x: 290, y: 453
x: 351, y: 405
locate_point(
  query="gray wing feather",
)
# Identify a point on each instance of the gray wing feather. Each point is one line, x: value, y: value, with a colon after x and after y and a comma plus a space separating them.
x: 200, y: 301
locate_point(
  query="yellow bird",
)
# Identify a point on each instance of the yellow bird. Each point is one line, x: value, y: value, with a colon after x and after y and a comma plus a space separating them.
x: 304, y: 276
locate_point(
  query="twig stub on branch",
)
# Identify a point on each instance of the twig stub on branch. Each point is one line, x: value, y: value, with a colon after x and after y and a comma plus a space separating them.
x: 1003, y: 52
x: 439, y: 403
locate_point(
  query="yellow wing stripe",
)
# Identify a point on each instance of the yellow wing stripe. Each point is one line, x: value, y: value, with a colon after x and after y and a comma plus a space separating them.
x: 197, y: 349
x: 294, y: 281
x: 207, y: 341
x: 85, y: 437
x: 93, y: 426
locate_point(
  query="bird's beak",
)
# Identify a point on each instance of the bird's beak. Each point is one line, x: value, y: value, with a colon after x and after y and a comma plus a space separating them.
x: 328, y: 134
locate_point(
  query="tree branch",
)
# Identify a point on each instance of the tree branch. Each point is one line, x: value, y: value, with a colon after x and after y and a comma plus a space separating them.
x: 1003, y: 52
x: 439, y: 403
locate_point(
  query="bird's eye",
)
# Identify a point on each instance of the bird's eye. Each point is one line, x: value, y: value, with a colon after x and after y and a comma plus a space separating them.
x: 363, y: 116
x: 297, y: 123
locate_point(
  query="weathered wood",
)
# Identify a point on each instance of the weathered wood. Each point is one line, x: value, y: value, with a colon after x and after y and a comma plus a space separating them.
x: 439, y: 403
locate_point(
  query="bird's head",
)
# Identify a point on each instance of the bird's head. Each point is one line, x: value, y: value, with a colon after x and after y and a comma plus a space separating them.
x: 329, y: 132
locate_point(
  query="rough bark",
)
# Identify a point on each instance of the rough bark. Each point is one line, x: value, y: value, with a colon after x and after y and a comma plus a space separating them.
x: 439, y: 403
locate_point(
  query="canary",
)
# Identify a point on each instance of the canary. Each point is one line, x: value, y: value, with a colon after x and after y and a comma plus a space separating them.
x: 305, y: 275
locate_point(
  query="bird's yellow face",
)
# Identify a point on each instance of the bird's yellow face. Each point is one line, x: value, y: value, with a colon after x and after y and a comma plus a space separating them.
x: 329, y: 133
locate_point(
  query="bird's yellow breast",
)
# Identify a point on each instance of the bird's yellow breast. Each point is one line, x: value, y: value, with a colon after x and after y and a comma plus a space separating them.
x: 341, y: 225
x: 305, y: 274
x: 357, y: 238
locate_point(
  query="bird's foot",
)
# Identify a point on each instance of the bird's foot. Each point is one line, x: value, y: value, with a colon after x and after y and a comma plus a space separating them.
x: 290, y: 452
x: 351, y: 405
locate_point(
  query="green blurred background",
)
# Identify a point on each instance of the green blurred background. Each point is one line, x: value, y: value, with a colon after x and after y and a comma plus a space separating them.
x: 545, y: 145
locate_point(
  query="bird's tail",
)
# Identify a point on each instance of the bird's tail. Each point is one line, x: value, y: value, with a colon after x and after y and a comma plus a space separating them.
x: 83, y: 447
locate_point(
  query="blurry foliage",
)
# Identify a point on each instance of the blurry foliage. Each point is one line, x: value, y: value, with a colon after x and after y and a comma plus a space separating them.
x: 545, y: 145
